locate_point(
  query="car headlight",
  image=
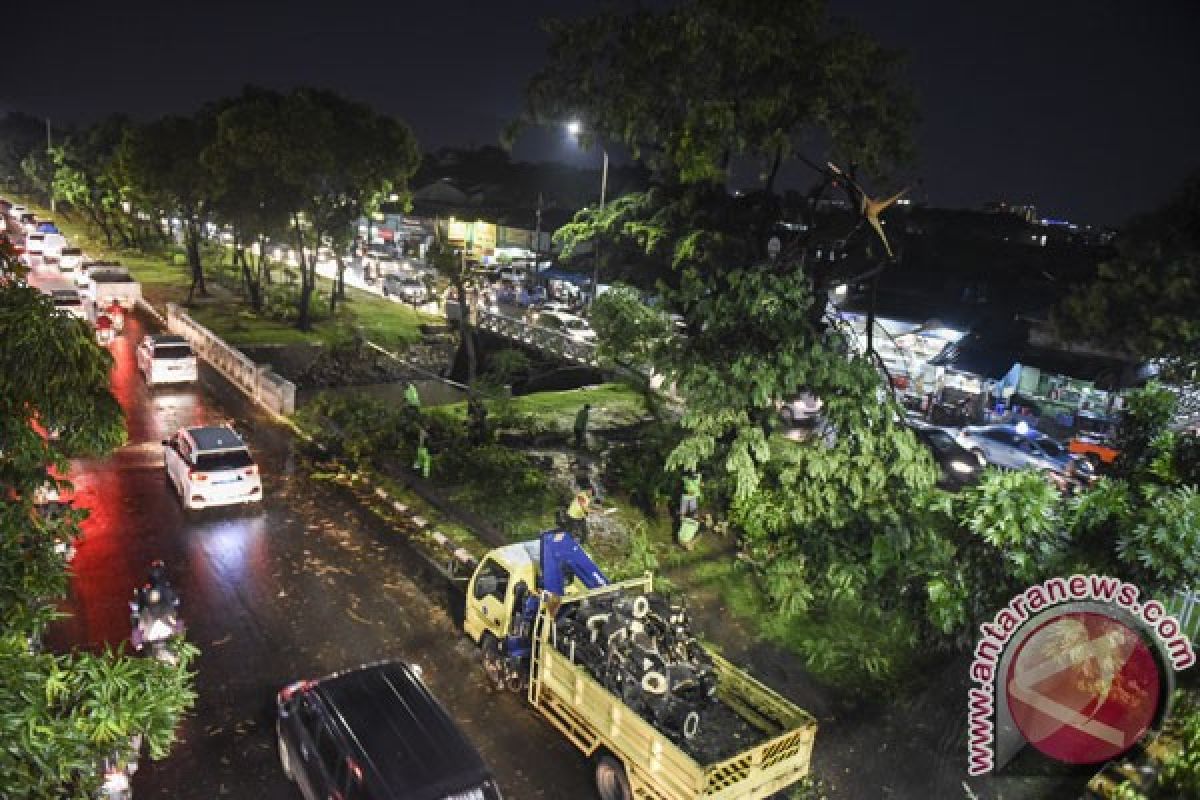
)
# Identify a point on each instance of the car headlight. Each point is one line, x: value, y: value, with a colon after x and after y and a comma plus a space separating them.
x: 962, y: 467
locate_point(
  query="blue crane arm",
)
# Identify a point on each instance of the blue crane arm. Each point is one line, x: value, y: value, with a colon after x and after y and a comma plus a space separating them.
x: 562, y: 558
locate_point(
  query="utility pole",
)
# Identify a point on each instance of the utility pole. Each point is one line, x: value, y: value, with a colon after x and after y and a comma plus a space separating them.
x: 49, y: 145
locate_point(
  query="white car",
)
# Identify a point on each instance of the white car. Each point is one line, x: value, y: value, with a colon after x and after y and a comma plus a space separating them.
x: 68, y: 300
x: 52, y: 247
x: 70, y: 265
x: 166, y: 358
x: 211, y: 466
x: 35, y: 244
x: 408, y: 288
x: 568, y: 325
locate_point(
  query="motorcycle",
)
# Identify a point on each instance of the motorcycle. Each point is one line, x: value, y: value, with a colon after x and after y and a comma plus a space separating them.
x: 154, y: 616
x: 154, y: 629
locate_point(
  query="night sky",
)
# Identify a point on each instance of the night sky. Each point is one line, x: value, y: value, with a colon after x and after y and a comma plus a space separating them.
x: 1088, y: 108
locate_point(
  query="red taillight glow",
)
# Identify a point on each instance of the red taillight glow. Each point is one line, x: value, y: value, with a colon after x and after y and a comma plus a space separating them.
x: 291, y: 690
x: 251, y: 470
x: 197, y: 476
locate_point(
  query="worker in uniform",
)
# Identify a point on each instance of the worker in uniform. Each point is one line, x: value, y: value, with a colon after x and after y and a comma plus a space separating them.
x: 423, y: 461
x: 577, y: 513
x: 689, y: 506
x: 581, y: 426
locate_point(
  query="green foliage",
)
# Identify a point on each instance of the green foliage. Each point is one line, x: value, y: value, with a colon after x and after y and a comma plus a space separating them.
x: 1144, y: 300
x: 752, y: 79
x: 60, y: 714
x: 508, y: 365
x: 1140, y: 434
x: 1162, y: 542
x: 636, y: 469
x: 1017, y: 514
x: 627, y: 330
x: 1185, y: 459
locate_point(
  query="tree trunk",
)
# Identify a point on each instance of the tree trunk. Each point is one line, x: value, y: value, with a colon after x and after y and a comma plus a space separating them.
x: 192, y: 245
x: 464, y: 331
x: 307, y: 281
x: 252, y: 282
x: 339, y: 284
x: 263, y: 263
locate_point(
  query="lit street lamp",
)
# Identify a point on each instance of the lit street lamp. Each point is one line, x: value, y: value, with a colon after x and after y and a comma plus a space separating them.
x: 575, y: 128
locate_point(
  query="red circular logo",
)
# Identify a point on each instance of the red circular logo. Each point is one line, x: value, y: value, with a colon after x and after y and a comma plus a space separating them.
x: 1083, y: 687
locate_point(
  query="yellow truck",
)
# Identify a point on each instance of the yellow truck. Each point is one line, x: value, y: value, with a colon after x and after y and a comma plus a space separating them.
x: 527, y: 605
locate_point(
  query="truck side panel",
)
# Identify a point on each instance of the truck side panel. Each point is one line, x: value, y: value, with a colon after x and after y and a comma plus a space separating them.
x: 593, y: 718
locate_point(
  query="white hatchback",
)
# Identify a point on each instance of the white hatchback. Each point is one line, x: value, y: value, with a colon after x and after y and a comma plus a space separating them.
x: 211, y: 466
x: 164, y: 358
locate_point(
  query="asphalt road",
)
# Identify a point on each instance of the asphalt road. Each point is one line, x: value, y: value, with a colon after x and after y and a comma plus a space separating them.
x: 300, y: 587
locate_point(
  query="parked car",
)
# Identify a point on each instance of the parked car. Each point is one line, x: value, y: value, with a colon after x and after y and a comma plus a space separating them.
x: 959, y: 466
x: 211, y: 466
x: 52, y: 246
x: 35, y: 243
x: 408, y: 288
x: 69, y: 300
x: 166, y: 358
x: 70, y: 264
x: 568, y: 325
x: 1022, y: 447
x: 376, y: 732
x: 803, y: 407
x: 1095, y: 438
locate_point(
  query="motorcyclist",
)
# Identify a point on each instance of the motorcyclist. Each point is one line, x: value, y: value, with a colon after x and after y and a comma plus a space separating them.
x: 156, y: 599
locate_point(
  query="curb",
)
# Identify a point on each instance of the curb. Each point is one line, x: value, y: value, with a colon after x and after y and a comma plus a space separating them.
x: 460, y: 561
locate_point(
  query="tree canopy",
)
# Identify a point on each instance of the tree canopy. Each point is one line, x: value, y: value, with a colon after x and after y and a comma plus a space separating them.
x: 1144, y: 300
x: 60, y: 713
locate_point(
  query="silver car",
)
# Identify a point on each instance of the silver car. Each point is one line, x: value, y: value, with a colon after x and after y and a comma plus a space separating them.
x: 1021, y: 447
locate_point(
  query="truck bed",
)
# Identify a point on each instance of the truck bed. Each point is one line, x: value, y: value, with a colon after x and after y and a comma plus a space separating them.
x: 594, y: 719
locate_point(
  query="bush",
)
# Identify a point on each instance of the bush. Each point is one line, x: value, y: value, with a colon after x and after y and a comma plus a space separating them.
x: 1163, y: 541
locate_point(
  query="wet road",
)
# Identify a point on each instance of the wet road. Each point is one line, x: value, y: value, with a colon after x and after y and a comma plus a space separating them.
x: 300, y: 587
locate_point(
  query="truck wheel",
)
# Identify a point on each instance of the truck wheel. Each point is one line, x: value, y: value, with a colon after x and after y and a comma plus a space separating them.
x: 611, y: 781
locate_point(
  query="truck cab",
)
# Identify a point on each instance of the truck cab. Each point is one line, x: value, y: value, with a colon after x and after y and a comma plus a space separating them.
x: 507, y: 590
x: 492, y: 592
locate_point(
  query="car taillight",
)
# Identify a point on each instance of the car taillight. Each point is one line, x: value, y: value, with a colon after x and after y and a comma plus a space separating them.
x: 291, y: 690
x: 251, y: 470
x: 197, y: 476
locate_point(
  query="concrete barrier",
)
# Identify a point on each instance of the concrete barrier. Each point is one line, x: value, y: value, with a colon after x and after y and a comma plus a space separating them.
x: 256, y: 381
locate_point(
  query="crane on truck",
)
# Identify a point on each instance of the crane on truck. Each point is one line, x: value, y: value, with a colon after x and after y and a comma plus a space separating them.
x: 613, y: 666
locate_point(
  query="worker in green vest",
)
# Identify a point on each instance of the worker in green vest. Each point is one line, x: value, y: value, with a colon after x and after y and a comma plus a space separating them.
x: 423, y: 461
x: 577, y: 514
x: 689, y: 506
x: 411, y: 397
